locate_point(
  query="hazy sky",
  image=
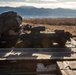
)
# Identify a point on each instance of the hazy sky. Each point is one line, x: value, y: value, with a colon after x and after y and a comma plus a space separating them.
x: 40, y: 3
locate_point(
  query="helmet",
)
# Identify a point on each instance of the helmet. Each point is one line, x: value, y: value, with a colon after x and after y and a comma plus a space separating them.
x: 10, y: 20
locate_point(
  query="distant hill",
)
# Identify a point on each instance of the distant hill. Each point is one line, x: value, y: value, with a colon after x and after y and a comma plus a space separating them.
x: 30, y: 11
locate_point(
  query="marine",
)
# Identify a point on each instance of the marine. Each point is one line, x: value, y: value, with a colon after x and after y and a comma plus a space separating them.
x: 10, y: 22
x: 11, y: 28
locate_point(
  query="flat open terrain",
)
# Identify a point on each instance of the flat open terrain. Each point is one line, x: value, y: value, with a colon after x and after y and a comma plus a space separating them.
x: 67, y: 24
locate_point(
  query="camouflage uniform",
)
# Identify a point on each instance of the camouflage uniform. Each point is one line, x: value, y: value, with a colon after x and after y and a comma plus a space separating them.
x: 46, y: 42
x: 9, y: 20
x: 23, y: 44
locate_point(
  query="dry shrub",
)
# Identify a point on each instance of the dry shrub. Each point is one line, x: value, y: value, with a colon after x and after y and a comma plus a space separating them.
x: 51, y: 21
x: 67, y: 24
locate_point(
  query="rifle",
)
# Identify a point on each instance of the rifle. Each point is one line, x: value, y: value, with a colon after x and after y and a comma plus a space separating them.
x: 36, y: 35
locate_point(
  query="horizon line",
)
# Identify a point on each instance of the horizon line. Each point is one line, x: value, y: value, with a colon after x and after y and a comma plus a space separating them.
x: 38, y: 8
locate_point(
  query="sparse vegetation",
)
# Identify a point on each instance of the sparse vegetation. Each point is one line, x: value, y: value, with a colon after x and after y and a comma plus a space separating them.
x: 51, y: 21
x: 67, y: 24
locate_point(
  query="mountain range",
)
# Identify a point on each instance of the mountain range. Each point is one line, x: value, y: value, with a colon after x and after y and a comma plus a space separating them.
x: 33, y: 12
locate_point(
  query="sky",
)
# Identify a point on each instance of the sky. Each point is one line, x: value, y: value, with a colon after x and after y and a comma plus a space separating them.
x: 71, y: 4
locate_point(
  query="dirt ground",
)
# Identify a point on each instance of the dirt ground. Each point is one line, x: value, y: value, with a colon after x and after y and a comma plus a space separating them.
x: 67, y: 24
x: 51, y: 28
